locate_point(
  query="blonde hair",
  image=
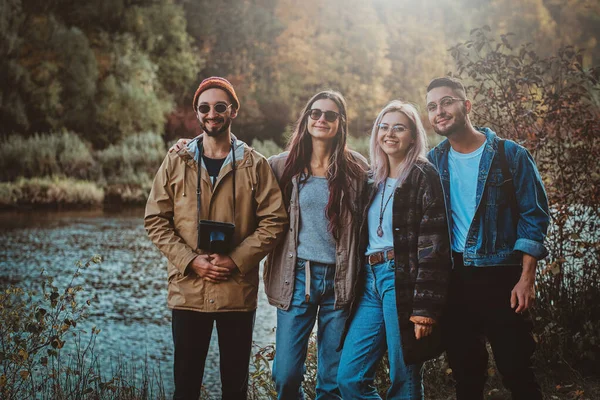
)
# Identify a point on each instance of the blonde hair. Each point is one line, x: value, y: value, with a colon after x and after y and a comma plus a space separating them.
x: 417, y: 151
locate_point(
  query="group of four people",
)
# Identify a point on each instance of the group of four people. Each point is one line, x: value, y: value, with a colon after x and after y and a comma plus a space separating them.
x: 414, y: 254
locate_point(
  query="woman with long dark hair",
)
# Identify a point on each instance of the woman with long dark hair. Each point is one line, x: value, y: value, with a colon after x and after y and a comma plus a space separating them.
x: 310, y: 276
x: 405, y: 248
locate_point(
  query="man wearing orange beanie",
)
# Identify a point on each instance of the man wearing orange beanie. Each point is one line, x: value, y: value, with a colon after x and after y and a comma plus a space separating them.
x: 215, y: 210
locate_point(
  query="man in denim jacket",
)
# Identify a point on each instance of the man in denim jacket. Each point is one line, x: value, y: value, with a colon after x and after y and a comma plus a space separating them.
x: 495, y: 247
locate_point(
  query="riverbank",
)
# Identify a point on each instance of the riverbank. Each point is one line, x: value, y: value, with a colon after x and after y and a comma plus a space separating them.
x: 69, y: 193
x: 61, y: 170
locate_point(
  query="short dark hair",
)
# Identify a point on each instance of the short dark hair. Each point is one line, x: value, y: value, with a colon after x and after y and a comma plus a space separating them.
x: 447, y: 81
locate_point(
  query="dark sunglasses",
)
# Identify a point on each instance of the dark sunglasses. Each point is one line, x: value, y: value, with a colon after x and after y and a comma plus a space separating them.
x: 330, y: 116
x: 220, y: 108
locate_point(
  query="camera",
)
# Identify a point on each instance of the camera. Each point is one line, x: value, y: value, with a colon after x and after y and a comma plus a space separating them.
x: 215, y: 237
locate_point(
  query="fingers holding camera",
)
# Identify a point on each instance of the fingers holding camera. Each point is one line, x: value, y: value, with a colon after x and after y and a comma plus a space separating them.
x: 204, y: 267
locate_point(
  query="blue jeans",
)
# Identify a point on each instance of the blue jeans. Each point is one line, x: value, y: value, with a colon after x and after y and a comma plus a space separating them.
x: 293, y: 331
x: 375, y: 324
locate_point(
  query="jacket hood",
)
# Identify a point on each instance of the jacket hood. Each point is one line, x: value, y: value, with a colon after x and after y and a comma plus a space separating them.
x: 191, y: 150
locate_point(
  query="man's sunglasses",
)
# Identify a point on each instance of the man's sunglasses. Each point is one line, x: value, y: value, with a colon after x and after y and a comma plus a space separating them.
x: 220, y: 108
x: 330, y: 116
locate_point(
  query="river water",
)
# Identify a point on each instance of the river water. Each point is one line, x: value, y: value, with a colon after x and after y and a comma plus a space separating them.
x: 129, y: 287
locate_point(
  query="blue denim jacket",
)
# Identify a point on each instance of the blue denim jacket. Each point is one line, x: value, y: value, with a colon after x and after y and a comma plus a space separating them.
x: 491, y: 239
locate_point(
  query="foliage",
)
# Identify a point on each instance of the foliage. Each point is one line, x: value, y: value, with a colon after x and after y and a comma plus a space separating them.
x: 107, y: 69
x: 267, y: 147
x: 58, y: 154
x: 48, y: 170
x: 548, y: 105
x: 102, y: 69
x: 50, y: 191
x: 134, y: 160
x: 128, y: 97
x: 45, y: 353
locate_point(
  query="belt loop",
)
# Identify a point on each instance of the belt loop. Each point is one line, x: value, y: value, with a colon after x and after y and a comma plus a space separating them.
x: 307, y: 284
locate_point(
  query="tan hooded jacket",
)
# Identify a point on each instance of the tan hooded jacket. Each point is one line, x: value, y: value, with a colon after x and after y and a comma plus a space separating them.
x: 171, y: 222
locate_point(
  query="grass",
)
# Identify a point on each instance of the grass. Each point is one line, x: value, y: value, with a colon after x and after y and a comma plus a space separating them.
x: 50, y: 191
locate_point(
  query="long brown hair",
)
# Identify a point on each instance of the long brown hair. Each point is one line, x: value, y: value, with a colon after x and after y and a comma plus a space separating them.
x: 341, y: 172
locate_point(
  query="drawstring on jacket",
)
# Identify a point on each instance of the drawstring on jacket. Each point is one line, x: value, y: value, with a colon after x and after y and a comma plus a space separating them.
x: 184, y: 172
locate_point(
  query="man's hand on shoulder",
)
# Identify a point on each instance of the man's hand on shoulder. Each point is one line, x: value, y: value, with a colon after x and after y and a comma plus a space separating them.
x: 206, y: 268
x: 224, y: 261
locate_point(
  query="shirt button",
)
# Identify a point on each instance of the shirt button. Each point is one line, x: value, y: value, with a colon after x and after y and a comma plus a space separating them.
x: 290, y: 255
x: 287, y: 282
x: 211, y: 301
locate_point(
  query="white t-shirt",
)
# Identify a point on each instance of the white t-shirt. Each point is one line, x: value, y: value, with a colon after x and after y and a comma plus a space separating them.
x: 464, y: 170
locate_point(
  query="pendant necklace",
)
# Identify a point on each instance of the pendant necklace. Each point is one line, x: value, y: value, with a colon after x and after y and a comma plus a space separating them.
x: 382, y: 209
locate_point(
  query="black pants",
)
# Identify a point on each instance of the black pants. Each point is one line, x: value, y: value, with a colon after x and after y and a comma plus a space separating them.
x: 191, y: 336
x: 479, y: 308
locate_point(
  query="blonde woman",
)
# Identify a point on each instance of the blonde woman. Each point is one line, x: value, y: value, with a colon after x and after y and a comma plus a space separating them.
x: 404, y: 277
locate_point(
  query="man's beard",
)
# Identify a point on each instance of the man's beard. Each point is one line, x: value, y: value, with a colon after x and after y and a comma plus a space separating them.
x: 219, y: 131
x: 457, y: 125
x: 447, y: 132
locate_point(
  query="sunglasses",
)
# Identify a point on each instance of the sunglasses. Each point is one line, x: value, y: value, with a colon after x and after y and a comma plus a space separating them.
x: 330, y: 116
x: 219, y: 108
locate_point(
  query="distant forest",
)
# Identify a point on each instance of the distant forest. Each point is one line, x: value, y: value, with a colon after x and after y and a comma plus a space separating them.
x: 109, y: 69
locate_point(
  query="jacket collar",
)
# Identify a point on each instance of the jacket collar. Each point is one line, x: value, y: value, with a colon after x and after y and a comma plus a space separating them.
x: 190, y: 153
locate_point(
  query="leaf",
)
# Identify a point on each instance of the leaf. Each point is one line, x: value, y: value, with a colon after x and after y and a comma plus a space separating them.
x: 23, y: 354
x: 57, y: 343
x: 24, y: 374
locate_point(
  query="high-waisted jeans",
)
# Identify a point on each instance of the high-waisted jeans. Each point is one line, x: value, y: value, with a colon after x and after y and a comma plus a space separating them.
x: 373, y: 328
x: 293, y: 332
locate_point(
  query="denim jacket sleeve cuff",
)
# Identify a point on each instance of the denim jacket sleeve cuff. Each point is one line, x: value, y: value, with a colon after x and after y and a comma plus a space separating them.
x: 531, y: 247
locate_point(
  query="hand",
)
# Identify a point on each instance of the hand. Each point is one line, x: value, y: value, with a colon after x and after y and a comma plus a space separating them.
x: 422, y: 330
x: 423, y: 325
x: 205, y: 269
x: 179, y: 145
x: 523, y: 294
x: 223, y: 261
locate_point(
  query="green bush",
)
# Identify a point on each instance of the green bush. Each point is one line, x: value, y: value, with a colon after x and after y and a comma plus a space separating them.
x: 267, y: 147
x: 52, y: 154
x: 51, y: 191
x: 134, y: 160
